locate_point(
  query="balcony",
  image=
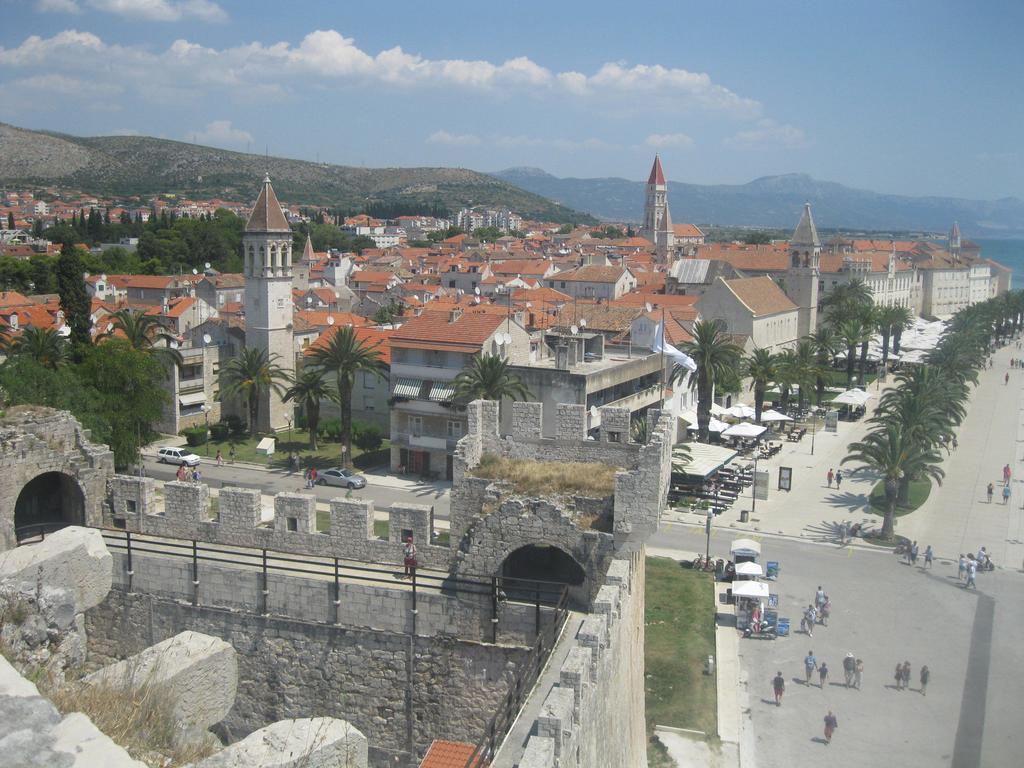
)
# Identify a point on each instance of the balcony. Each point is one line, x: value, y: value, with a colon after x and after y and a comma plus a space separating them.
x: 191, y: 385
x: 424, y: 442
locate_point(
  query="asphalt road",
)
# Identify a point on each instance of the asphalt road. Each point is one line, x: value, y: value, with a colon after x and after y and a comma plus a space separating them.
x: 278, y: 481
x: 884, y: 612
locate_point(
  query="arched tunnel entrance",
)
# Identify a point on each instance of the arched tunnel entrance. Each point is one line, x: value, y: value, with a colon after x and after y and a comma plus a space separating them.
x: 542, y: 562
x: 49, y: 501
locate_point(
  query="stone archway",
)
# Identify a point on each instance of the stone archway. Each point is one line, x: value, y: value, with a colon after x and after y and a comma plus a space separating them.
x: 48, y: 502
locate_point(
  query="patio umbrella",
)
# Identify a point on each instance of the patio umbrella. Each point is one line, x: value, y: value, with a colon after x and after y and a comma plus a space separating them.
x: 771, y: 415
x: 852, y: 397
x: 713, y: 426
x: 717, y: 410
x: 740, y: 411
x: 756, y: 589
x: 749, y: 569
x: 744, y: 429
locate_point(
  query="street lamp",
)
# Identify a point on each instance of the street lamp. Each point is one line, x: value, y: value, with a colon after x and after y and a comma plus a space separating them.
x: 289, y: 418
x: 753, y: 485
x: 206, y: 417
x: 707, y: 530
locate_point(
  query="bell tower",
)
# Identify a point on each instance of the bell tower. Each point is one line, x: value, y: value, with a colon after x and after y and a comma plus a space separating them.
x: 267, y: 247
x: 657, y: 226
x: 804, y: 272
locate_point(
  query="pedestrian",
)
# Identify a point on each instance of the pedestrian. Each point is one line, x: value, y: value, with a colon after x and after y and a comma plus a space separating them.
x: 830, y: 477
x: 990, y: 490
x: 928, y: 555
x: 849, y: 666
x: 822, y: 675
x: 839, y: 478
x: 898, y: 675
x: 961, y: 568
x: 858, y: 674
x: 305, y: 477
x: 197, y: 476
x: 819, y: 597
x: 220, y: 458
x: 409, y: 558
x: 181, y: 474
x: 844, y: 531
x: 955, y: 444
x: 830, y: 726
x: 779, y: 687
x: 925, y: 675
x: 809, y: 619
x: 312, y: 477
x: 914, y: 550
x: 972, y: 570
x: 1006, y: 378
x: 906, y: 674
x: 826, y: 609
x: 1006, y: 493
x: 231, y: 454
x: 1006, y: 474
x: 810, y: 664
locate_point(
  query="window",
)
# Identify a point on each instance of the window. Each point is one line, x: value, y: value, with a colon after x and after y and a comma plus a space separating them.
x: 292, y: 523
x: 454, y: 429
x: 416, y: 425
x: 130, y: 506
x: 368, y: 403
x: 614, y: 437
x: 369, y: 380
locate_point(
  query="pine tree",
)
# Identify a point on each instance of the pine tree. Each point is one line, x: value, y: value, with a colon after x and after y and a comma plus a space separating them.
x: 10, y: 220
x: 74, y: 300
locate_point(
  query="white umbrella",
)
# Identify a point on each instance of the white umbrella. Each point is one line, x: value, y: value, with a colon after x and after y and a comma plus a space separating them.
x: 745, y: 547
x: 852, y: 397
x: 749, y: 569
x: 740, y: 411
x: 771, y: 415
x: 750, y: 589
x: 717, y: 410
x: 744, y: 429
x: 713, y: 426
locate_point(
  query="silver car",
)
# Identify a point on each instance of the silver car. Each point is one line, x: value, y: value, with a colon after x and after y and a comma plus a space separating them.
x: 343, y: 478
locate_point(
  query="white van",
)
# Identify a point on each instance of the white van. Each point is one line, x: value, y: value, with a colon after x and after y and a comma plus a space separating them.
x: 178, y: 456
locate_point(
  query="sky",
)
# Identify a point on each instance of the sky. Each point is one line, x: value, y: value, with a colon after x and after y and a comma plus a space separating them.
x: 920, y: 97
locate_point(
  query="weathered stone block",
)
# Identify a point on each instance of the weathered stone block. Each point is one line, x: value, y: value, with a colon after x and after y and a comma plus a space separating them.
x: 295, y: 512
x: 317, y: 742
x: 539, y: 753
x: 72, y: 558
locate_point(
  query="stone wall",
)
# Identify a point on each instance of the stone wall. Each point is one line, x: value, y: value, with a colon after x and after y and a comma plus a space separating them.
x: 400, y: 691
x: 35, y: 440
x: 594, y: 713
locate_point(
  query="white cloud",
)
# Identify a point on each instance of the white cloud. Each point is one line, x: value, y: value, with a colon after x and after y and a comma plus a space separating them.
x: 568, y: 145
x: 669, y: 140
x: 159, y: 10
x: 58, y: 6
x: 767, y: 133
x: 220, y: 133
x: 61, y: 85
x: 453, y: 139
x: 328, y: 56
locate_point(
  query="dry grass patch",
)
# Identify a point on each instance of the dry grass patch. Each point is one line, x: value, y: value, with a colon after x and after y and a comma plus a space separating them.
x: 530, y: 477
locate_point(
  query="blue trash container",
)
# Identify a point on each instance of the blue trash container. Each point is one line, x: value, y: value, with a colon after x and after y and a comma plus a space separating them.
x: 783, y: 627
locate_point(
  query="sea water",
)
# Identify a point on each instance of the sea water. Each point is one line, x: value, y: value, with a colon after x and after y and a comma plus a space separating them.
x: 1009, y: 253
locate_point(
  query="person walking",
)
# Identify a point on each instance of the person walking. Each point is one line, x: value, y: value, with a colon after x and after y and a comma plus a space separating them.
x: 779, y: 687
x: 898, y: 675
x: 822, y: 675
x: 819, y: 598
x: 810, y: 617
x: 830, y: 477
x: 961, y: 570
x: 972, y: 571
x: 925, y: 675
x: 409, y: 558
x: 197, y: 476
x: 220, y: 458
x: 312, y: 477
x: 839, y: 478
x: 826, y: 609
x: 858, y: 674
x: 990, y: 490
x: 905, y: 674
x: 929, y: 553
x: 1006, y: 494
x: 231, y: 454
x: 180, y: 474
x: 810, y: 664
x: 914, y: 550
x: 1006, y: 474
x: 830, y: 726
x: 849, y: 666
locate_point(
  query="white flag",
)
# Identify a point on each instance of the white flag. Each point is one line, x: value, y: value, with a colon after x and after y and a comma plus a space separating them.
x: 660, y: 345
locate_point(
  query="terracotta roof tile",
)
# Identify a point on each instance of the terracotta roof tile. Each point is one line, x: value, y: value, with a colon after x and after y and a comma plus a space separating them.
x: 686, y: 230
x: 436, y: 329
x: 590, y: 274
x: 761, y: 295
x: 267, y: 215
x: 449, y: 754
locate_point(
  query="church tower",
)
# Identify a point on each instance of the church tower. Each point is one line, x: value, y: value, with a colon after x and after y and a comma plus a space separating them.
x: 804, y: 272
x: 954, y: 241
x: 657, y: 226
x: 267, y: 246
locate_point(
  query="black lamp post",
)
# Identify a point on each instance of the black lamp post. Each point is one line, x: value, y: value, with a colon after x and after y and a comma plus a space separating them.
x: 707, y: 531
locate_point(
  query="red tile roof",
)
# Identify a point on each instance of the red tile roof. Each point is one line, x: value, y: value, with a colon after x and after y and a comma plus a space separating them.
x: 686, y: 230
x: 372, y: 337
x: 760, y: 295
x: 436, y: 330
x: 657, y: 175
x: 589, y: 274
x: 267, y: 215
x: 449, y: 754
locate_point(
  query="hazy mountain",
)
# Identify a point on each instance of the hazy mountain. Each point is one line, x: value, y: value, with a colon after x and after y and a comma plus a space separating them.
x: 139, y: 165
x: 775, y: 201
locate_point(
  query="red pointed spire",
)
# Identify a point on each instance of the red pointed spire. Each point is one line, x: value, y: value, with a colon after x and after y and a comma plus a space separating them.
x: 657, y: 175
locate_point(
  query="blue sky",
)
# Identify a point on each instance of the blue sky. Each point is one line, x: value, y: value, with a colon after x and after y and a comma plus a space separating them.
x: 899, y: 96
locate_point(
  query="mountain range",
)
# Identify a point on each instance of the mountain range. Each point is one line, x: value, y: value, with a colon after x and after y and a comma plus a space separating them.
x: 775, y: 201
x: 141, y: 165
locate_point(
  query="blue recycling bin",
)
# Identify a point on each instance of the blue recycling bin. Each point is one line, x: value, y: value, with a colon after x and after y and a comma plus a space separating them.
x: 783, y: 626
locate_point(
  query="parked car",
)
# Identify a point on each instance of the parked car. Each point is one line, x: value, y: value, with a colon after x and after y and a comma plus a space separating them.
x: 343, y: 478
x: 178, y: 456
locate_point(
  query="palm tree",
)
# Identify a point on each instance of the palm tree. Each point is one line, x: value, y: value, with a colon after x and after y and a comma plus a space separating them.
x: 143, y: 332
x: 846, y: 300
x: 760, y: 369
x: 487, y: 377
x: 892, y: 321
x: 825, y: 346
x: 309, y: 389
x: 895, y: 454
x: 806, y: 371
x: 786, y: 375
x: 716, y: 357
x: 249, y: 375
x: 640, y: 430
x: 344, y: 355
x: 44, y: 345
x: 868, y: 314
x: 852, y: 333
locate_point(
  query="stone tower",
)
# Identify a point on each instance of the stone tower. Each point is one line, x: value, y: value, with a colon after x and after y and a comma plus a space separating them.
x: 267, y: 246
x: 804, y: 272
x: 954, y: 241
x: 657, y: 226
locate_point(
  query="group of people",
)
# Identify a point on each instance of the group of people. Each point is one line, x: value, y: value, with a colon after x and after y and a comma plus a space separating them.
x: 310, y: 476
x: 968, y: 565
x: 902, y: 677
x: 220, y: 456
x: 990, y: 490
x: 836, y: 476
x: 816, y: 613
x: 914, y: 551
x: 187, y: 474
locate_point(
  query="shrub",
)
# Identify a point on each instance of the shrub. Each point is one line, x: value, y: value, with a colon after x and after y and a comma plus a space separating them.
x: 194, y: 435
x: 331, y: 428
x: 219, y: 432
x: 368, y: 438
x: 235, y: 424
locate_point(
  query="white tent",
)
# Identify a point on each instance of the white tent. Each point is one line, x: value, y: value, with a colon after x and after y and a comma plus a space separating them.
x: 713, y: 426
x: 704, y: 459
x: 717, y: 410
x: 740, y: 411
x: 852, y: 397
x: 745, y: 547
x: 756, y: 589
x: 771, y: 415
x: 749, y: 569
x: 744, y: 429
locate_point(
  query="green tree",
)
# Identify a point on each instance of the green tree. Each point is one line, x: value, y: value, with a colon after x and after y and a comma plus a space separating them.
x: 825, y: 346
x: 895, y: 454
x: 851, y: 333
x: 10, y: 220
x: 487, y: 377
x: 716, y: 357
x: 74, y: 299
x: 759, y: 367
x: 565, y: 229
x: 248, y: 376
x: 891, y: 322
x: 44, y: 345
x: 142, y: 332
x: 309, y: 390
x: 345, y: 355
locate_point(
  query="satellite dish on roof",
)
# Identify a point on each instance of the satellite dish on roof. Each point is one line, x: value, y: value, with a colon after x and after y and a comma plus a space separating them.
x: 477, y: 290
x: 508, y: 338
x: 648, y: 307
x: 593, y: 410
x: 573, y: 330
x: 499, y: 339
x: 195, y: 271
x: 528, y: 305
x: 103, y: 278
x: 416, y: 296
x: 583, y: 322
x: 206, y: 265
x: 330, y: 319
x: 207, y: 338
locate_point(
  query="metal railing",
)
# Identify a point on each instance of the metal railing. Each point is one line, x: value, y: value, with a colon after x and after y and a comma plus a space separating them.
x: 508, y: 708
x: 498, y: 590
